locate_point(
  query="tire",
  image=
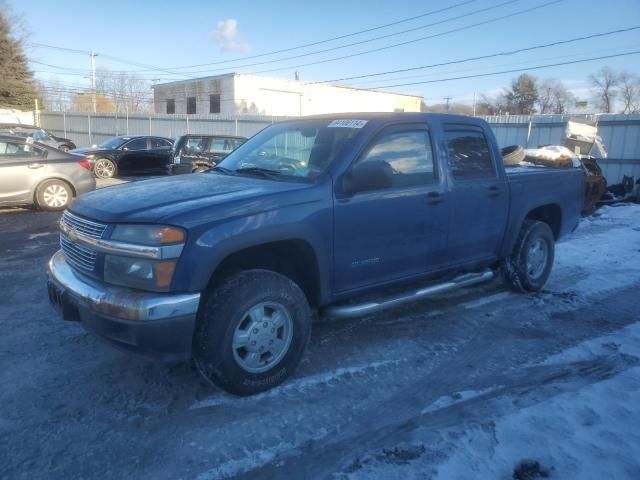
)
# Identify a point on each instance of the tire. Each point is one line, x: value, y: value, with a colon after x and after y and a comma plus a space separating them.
x: 53, y: 195
x: 512, y: 155
x: 104, y: 168
x: 529, y: 266
x: 223, y: 351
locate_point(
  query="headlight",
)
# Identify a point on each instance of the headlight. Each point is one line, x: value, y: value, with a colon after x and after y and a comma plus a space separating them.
x: 139, y: 273
x: 143, y: 256
x: 148, y: 234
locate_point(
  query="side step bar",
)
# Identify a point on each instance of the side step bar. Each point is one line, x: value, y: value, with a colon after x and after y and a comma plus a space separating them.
x: 359, y: 309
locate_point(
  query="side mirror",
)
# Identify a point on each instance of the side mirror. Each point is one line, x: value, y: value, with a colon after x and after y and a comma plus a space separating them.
x: 366, y: 176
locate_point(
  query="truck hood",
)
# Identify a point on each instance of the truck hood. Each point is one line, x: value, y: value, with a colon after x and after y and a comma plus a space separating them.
x: 164, y: 199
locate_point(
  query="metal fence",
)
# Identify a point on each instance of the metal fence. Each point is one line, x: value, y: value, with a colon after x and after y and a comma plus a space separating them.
x: 620, y: 133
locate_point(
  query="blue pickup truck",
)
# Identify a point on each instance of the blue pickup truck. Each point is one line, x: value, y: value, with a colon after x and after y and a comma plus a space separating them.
x: 343, y: 215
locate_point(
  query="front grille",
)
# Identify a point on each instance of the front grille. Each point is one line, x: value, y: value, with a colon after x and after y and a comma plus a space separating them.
x: 79, y: 256
x: 83, y: 226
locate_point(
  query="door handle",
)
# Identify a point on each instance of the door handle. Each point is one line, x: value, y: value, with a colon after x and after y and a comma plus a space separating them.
x: 433, y: 198
x: 35, y: 165
x: 494, y: 190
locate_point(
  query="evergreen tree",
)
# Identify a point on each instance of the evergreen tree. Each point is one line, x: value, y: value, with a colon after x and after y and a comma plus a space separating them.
x: 17, y: 87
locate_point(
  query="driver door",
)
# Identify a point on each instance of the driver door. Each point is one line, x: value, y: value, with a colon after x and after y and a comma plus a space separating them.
x: 392, y: 233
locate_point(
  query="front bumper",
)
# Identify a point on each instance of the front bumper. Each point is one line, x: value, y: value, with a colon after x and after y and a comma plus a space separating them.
x: 159, y: 325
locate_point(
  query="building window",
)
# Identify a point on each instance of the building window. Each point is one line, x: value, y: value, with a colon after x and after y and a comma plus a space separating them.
x: 171, y: 105
x: 191, y: 105
x: 214, y: 103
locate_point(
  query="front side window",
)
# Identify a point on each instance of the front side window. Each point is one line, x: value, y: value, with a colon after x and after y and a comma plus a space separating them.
x: 409, y: 154
x: 191, y: 105
x: 469, y: 154
x: 194, y: 145
x: 136, y: 144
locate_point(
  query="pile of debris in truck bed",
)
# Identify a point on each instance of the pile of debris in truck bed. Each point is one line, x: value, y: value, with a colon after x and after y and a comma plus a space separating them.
x: 582, y: 148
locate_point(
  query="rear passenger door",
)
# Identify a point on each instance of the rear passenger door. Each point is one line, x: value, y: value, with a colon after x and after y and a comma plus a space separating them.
x: 135, y: 157
x: 479, y: 202
x: 160, y: 154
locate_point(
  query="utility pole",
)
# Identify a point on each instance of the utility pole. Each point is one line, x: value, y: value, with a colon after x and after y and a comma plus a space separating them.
x: 446, y: 105
x: 93, y: 79
x: 474, y: 104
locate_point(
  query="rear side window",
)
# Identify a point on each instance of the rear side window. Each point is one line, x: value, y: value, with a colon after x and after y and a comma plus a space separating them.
x: 408, y: 152
x: 18, y: 149
x: 469, y: 154
x: 136, y: 144
x: 221, y: 145
x: 160, y: 143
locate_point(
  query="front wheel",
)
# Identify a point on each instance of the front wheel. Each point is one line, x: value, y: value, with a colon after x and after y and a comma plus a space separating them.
x: 54, y: 195
x: 252, y: 332
x: 529, y: 265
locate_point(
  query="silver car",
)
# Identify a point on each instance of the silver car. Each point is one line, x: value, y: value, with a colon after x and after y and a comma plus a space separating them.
x: 34, y: 173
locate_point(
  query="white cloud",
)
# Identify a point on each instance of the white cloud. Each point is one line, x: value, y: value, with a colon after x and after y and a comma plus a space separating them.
x: 228, y: 37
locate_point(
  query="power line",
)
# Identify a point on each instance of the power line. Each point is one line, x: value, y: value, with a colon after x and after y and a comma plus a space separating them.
x: 484, y: 57
x: 428, y: 37
x: 368, y: 40
x: 522, y: 64
x: 319, y: 42
x: 537, y: 67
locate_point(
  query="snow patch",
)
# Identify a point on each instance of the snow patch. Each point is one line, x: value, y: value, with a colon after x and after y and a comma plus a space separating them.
x: 458, y: 397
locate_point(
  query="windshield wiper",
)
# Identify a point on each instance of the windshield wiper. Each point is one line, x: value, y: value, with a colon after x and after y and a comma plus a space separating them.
x: 265, y: 172
x: 224, y: 171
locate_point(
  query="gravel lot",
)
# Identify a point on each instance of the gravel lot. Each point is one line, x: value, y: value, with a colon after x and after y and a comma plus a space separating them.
x: 394, y: 395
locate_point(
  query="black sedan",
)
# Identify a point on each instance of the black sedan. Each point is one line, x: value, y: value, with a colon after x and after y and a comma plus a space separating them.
x: 130, y: 155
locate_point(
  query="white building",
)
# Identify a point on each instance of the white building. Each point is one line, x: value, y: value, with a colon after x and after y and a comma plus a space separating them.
x: 237, y: 93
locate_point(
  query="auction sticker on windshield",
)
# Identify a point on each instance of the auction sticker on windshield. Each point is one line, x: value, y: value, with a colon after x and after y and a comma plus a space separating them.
x: 348, y: 123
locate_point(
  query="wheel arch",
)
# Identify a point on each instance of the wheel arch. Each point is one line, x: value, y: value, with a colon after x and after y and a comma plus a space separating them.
x: 293, y: 258
x: 551, y: 214
x: 34, y: 191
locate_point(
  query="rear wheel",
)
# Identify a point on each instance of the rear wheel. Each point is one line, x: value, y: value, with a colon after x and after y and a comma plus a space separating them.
x: 104, y: 168
x: 252, y: 332
x: 54, y: 195
x: 529, y: 265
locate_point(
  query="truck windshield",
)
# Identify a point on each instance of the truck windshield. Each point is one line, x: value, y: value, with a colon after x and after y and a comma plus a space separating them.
x: 302, y: 149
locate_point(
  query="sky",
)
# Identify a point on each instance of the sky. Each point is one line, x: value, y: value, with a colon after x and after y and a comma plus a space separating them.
x: 153, y: 36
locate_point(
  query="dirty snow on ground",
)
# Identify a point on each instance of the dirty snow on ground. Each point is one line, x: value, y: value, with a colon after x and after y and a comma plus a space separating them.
x: 475, y: 384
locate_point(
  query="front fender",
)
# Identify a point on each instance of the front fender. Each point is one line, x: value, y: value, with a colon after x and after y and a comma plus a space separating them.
x: 208, y: 247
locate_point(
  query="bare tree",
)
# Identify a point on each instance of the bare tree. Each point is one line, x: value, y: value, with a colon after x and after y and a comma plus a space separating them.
x: 630, y: 92
x: 127, y: 91
x: 488, y: 105
x: 553, y: 97
x: 604, y: 85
